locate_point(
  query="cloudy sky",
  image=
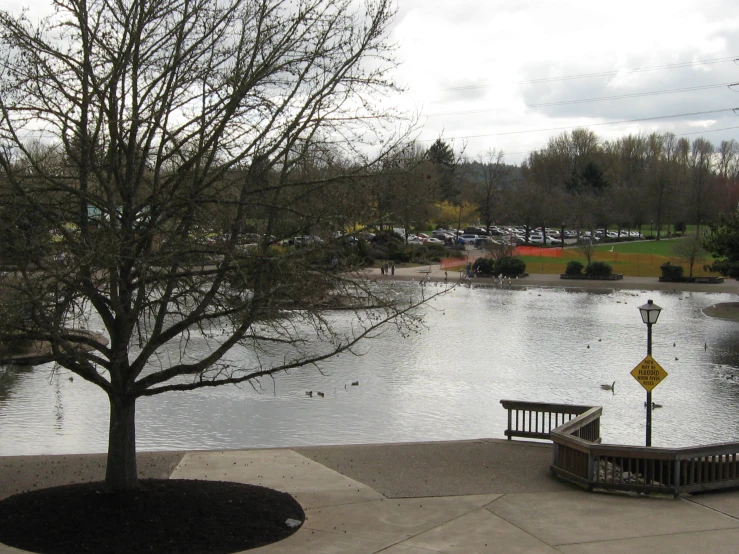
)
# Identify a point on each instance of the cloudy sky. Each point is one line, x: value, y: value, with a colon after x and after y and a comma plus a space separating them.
x: 510, y: 74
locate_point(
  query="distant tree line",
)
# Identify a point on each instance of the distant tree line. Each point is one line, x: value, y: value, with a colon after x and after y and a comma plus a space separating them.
x: 657, y: 181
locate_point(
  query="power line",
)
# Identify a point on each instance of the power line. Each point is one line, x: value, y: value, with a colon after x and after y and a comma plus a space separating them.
x: 706, y: 131
x: 676, y: 134
x: 655, y: 118
x: 588, y: 100
x: 602, y: 73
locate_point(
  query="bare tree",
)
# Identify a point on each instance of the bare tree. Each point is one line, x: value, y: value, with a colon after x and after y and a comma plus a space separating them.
x: 702, y: 180
x: 409, y: 188
x: 487, y: 188
x: 690, y: 250
x: 728, y: 158
x: 526, y: 206
x: 501, y: 249
x: 587, y: 248
x: 662, y: 151
x: 178, y: 127
x: 628, y: 168
x: 728, y: 172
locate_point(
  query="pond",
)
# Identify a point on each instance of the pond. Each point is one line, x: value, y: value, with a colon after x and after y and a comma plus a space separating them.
x: 479, y: 345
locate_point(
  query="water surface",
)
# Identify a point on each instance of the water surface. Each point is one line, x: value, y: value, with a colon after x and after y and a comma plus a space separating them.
x: 480, y: 345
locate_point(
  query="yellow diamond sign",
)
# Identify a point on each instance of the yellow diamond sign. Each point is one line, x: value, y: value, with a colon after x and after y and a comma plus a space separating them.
x: 649, y: 373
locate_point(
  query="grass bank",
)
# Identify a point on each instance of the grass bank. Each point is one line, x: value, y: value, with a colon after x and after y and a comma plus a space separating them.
x: 635, y: 259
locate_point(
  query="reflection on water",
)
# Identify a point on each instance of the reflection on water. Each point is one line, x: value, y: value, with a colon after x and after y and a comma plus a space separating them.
x: 445, y: 382
x: 9, y: 377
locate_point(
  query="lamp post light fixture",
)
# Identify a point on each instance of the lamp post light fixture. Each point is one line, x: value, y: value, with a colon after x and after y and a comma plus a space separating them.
x: 649, y: 315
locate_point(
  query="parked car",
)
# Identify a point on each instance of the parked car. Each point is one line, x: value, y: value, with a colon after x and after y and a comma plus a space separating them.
x: 443, y: 236
x: 308, y: 239
x: 481, y: 231
x: 489, y: 242
x: 467, y: 238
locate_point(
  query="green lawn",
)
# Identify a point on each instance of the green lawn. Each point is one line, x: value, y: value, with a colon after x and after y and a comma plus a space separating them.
x: 663, y: 247
x: 641, y: 258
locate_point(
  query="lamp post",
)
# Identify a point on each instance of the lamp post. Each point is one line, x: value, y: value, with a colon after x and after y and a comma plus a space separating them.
x: 562, y: 236
x: 649, y: 314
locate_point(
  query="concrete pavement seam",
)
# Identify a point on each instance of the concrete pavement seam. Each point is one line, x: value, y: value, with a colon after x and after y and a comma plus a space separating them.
x: 690, y: 499
x: 514, y: 525
x: 679, y: 533
x: 494, y: 501
x: 446, y: 522
x: 436, y: 527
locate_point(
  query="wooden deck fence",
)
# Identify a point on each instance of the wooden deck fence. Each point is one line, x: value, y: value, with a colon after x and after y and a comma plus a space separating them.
x: 579, y: 457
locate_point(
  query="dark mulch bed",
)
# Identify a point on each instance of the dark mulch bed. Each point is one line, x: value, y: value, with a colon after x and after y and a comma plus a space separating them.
x: 169, y: 516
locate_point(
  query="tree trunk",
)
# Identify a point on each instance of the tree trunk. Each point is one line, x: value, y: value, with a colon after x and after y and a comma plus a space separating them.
x: 121, y: 473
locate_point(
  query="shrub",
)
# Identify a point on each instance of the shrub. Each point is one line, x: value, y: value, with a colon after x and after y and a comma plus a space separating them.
x: 509, y: 266
x: 484, y: 266
x: 435, y: 252
x: 599, y: 269
x: 418, y: 253
x: 387, y: 240
x: 16, y: 344
x: 671, y: 271
x: 363, y: 249
x: 363, y: 254
x: 574, y: 268
x: 402, y: 256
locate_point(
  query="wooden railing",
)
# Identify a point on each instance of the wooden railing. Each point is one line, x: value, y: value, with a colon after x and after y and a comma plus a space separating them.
x: 535, y: 420
x: 579, y: 457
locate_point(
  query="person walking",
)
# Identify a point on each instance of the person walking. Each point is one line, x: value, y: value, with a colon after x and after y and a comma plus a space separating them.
x: 382, y: 269
x: 392, y: 269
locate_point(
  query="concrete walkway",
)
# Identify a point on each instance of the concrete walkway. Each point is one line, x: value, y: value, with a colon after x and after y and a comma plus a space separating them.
x: 434, y: 273
x: 463, y: 497
x: 472, y: 496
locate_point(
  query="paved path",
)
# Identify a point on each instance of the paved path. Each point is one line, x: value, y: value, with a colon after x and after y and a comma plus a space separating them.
x: 473, y: 496
x: 464, y: 497
x: 435, y: 273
